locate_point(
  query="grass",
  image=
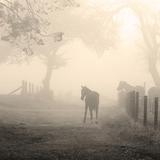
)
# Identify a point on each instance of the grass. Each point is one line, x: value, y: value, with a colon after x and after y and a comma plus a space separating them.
x: 54, y: 134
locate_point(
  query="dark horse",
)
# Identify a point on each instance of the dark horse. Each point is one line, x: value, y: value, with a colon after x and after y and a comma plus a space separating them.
x: 91, y: 102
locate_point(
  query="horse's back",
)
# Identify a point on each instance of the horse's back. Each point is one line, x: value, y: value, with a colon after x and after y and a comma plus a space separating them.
x: 154, y: 92
x: 93, y: 99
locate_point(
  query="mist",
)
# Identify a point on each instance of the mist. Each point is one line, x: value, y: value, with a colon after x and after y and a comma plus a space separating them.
x: 80, y: 79
x: 84, y: 67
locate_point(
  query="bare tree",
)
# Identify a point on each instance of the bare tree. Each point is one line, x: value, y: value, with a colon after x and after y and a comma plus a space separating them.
x: 149, y: 25
x: 97, y: 29
x: 149, y: 21
x: 53, y: 60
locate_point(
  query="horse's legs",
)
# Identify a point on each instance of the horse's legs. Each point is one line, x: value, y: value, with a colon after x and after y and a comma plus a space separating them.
x: 96, y: 114
x: 85, y: 113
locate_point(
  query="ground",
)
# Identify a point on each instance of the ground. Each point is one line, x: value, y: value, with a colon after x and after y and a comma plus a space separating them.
x: 58, y: 134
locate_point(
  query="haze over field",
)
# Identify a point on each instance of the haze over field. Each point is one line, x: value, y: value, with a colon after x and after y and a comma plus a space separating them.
x: 79, y: 79
x: 126, y: 61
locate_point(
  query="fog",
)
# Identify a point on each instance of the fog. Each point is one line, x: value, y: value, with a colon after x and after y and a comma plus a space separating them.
x: 126, y: 62
x: 79, y: 79
x: 99, y: 73
x: 99, y: 50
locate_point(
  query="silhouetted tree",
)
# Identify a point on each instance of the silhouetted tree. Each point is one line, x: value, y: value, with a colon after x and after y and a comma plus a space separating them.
x: 149, y: 21
x: 97, y: 28
x: 52, y: 61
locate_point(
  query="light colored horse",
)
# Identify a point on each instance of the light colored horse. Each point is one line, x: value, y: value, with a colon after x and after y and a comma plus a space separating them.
x: 91, y: 102
x: 124, y: 88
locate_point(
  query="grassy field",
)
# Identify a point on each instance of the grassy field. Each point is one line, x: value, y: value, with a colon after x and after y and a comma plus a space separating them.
x: 58, y: 133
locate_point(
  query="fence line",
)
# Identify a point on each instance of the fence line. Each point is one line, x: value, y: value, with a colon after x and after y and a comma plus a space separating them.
x: 27, y: 88
x: 132, y: 107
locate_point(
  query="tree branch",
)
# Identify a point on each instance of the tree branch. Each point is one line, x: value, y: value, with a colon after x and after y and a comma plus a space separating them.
x: 11, y: 10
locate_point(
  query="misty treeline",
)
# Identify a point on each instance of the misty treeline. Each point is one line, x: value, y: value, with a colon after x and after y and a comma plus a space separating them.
x: 39, y: 28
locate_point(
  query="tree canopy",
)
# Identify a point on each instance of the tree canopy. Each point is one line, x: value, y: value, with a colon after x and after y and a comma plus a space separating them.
x: 24, y: 23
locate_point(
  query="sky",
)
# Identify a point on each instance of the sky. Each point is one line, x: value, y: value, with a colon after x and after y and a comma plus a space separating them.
x: 84, y: 67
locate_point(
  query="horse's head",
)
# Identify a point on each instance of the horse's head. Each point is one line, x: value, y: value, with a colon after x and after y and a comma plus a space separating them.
x: 84, y: 92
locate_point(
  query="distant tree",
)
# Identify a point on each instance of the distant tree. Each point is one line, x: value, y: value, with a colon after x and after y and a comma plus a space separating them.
x: 53, y: 60
x: 148, y: 15
x: 149, y: 24
x: 97, y: 28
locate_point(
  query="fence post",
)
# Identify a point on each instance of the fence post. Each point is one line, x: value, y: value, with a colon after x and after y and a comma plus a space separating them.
x: 26, y: 87
x: 32, y: 88
x: 145, y: 111
x: 23, y: 87
x: 127, y: 102
x: 156, y: 113
x: 132, y: 104
x: 137, y: 106
x: 29, y: 88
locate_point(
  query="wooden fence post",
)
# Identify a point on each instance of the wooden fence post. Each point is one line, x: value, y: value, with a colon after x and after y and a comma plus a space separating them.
x: 23, y: 87
x: 32, y: 88
x: 156, y: 113
x: 26, y: 88
x: 137, y: 107
x: 145, y: 111
x: 127, y: 102
x: 29, y: 88
x: 132, y: 104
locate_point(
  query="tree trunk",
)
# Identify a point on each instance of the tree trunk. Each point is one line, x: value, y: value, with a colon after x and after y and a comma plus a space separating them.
x: 154, y: 72
x: 47, y: 79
